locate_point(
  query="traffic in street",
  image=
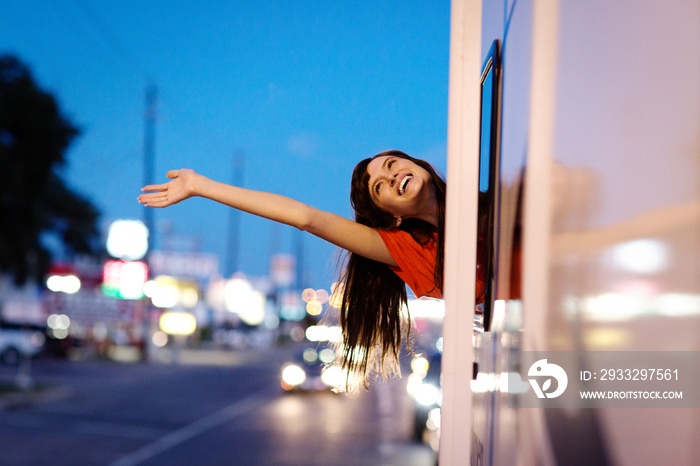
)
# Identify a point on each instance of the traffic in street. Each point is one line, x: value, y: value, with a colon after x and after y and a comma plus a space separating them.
x: 208, y: 408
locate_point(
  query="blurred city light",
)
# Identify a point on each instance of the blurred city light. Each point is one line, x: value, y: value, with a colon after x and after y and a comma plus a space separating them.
x: 236, y: 294
x: 326, y: 355
x: 122, y: 279
x: 165, y: 297
x: 678, y: 304
x: 310, y: 355
x: 160, y: 339
x: 168, y: 292
x: 642, y: 256
x: 314, y: 308
x: 428, y: 394
x: 254, y: 312
x: 308, y: 295
x: 297, y: 333
x: 240, y: 298
x: 150, y: 288
x: 63, y: 283
x: 178, y: 323
x: 58, y: 321
x: 614, y: 307
x: 189, y: 297
x: 427, y: 308
x: 413, y: 383
x: 619, y: 307
x: 324, y: 333
x: 127, y: 240
x: 434, y: 419
x: 485, y: 382
x: 58, y: 325
x: 439, y: 344
x: 419, y: 369
x: 322, y: 296
x: 332, y: 376
x: 336, y: 297
x: 292, y: 375
x: 419, y: 366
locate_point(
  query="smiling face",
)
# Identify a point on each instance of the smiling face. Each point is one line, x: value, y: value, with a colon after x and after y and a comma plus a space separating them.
x: 402, y: 188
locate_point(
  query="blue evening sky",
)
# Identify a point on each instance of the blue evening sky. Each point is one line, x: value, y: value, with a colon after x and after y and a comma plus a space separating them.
x: 302, y: 90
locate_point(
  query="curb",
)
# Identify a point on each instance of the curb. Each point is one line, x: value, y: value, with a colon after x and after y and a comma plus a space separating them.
x: 25, y: 399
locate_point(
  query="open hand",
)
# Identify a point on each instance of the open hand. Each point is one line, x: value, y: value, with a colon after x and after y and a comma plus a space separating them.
x: 178, y: 189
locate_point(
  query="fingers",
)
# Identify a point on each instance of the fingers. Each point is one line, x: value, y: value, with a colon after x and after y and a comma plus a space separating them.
x: 155, y: 187
x: 153, y: 199
x: 158, y: 204
x: 156, y: 195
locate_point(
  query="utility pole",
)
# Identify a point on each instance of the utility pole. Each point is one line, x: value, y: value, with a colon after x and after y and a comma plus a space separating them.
x: 234, y: 222
x: 149, y: 153
x: 300, y: 281
x: 148, y: 213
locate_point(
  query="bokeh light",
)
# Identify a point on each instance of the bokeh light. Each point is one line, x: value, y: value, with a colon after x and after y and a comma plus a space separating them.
x: 332, y: 334
x: 127, y: 239
x: 336, y: 297
x: 67, y: 284
x: 310, y: 355
x: 293, y: 375
x: 160, y: 339
x: 322, y: 296
x: 314, y: 308
x: 308, y: 295
x: 419, y: 366
x: 178, y: 323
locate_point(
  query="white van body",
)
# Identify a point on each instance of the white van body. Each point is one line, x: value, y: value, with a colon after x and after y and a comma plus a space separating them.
x: 600, y: 149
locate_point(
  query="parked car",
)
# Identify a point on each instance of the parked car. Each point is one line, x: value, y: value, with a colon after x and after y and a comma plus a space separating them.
x: 17, y: 342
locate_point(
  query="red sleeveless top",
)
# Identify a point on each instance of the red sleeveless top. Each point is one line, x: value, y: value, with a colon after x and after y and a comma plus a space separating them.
x: 416, y: 262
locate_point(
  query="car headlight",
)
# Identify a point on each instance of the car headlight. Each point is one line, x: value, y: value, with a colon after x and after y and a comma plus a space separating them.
x: 293, y: 375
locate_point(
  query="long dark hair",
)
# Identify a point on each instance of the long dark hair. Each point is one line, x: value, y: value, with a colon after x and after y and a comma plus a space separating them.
x: 373, y: 295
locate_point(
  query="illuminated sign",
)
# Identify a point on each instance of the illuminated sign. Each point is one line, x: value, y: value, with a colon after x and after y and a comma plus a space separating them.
x: 178, y: 323
x: 127, y: 239
x: 124, y: 279
x: 168, y: 292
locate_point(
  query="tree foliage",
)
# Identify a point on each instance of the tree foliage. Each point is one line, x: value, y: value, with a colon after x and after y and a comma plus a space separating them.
x: 34, y: 199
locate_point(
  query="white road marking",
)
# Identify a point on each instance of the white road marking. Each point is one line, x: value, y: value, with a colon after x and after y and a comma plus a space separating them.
x: 194, y: 429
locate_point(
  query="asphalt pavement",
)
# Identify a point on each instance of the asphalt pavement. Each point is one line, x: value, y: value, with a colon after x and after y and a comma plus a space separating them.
x: 200, y: 407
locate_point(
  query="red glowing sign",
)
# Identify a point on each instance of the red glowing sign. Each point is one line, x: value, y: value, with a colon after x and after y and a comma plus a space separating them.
x: 124, y: 279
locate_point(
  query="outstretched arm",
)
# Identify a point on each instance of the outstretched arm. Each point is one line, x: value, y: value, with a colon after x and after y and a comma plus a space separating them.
x: 338, y: 230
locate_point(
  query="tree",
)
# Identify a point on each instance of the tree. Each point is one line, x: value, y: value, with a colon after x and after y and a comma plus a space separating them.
x: 35, y: 202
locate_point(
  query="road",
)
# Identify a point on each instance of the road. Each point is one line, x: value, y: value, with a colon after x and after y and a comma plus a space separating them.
x: 225, y: 411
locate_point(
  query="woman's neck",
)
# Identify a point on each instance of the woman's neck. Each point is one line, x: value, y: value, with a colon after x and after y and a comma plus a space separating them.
x: 429, y: 211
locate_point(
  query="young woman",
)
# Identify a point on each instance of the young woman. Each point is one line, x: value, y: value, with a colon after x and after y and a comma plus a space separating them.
x: 397, y: 239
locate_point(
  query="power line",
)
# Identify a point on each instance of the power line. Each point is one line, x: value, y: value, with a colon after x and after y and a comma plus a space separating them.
x: 111, y: 40
x: 99, y: 33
